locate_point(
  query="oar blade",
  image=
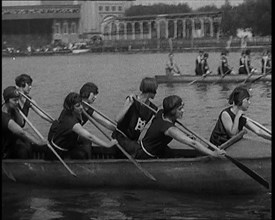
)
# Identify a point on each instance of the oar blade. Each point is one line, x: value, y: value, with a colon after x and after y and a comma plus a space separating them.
x: 145, y: 172
x: 8, y: 173
x: 250, y: 172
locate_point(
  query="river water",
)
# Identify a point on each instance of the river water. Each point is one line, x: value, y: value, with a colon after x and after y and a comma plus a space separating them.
x: 118, y: 75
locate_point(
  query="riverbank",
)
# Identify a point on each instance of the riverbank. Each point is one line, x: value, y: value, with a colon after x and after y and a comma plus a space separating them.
x: 256, y: 44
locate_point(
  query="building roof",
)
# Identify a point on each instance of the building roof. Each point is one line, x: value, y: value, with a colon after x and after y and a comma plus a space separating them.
x: 40, y: 12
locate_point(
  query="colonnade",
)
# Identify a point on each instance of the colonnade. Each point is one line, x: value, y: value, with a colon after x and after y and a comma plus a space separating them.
x: 159, y: 28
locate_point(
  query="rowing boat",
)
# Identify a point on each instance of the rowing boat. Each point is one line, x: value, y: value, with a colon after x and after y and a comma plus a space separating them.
x: 193, y: 174
x: 210, y: 78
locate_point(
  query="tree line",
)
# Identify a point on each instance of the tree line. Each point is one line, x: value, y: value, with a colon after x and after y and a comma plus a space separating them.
x: 253, y: 14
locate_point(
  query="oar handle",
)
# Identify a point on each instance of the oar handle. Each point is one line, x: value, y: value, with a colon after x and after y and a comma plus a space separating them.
x: 259, y: 125
x: 233, y: 140
x: 50, y: 117
x: 104, y: 116
x: 32, y: 126
x: 48, y: 145
x: 149, y: 107
x: 145, y: 172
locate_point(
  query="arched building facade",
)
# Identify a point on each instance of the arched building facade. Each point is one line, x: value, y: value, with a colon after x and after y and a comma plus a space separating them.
x: 75, y: 20
x: 177, y: 26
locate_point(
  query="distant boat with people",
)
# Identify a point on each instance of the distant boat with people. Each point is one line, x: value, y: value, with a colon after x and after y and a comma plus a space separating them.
x: 80, y: 48
x: 232, y: 78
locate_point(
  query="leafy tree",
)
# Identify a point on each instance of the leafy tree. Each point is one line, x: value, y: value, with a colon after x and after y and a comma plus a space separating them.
x: 254, y: 14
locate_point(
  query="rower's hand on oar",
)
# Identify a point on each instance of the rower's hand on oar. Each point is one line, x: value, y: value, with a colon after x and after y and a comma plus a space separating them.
x: 113, y: 142
x: 131, y: 98
x: 219, y: 153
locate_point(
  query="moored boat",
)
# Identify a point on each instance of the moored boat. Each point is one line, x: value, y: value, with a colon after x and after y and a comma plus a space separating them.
x: 236, y: 78
x: 193, y: 174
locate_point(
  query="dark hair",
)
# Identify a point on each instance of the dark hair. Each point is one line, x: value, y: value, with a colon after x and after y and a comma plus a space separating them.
x: 205, y: 55
x: 238, y: 95
x: 247, y: 52
x: 87, y: 88
x: 148, y: 85
x: 71, y: 99
x: 21, y: 80
x: 170, y: 103
x: 9, y: 93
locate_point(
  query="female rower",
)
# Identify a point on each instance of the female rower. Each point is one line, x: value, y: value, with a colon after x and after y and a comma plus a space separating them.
x: 231, y: 119
x: 199, y: 63
x: 171, y: 66
x: 163, y: 130
x: 133, y: 117
x: 66, y: 131
x: 88, y: 94
x: 223, y: 68
x: 203, y: 67
x: 16, y: 142
x: 24, y: 84
x: 245, y: 65
x: 266, y: 62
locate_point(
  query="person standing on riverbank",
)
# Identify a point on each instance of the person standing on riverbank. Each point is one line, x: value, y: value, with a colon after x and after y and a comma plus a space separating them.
x: 24, y: 84
x: 171, y: 66
x: 16, y: 142
x: 133, y: 117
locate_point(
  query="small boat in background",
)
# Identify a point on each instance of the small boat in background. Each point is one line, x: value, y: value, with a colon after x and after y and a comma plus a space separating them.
x: 191, y: 173
x: 80, y: 48
x: 232, y: 78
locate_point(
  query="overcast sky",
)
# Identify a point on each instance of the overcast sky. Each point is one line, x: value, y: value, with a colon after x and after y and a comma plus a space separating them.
x: 192, y: 3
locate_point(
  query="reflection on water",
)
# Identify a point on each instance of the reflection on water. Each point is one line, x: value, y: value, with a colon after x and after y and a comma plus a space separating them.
x: 117, y: 75
x: 42, y: 203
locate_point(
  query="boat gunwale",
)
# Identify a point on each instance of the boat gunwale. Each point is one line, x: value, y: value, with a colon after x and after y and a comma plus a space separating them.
x: 144, y: 161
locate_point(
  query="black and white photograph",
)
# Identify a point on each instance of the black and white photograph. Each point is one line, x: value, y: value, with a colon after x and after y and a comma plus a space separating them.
x: 136, y: 109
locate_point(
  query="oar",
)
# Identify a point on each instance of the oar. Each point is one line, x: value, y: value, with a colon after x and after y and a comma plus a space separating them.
x: 145, y: 172
x: 244, y: 168
x: 51, y: 118
x: 203, y: 76
x: 7, y: 172
x: 259, y: 125
x: 104, y: 116
x: 48, y: 145
x: 248, y: 171
x: 259, y: 77
x: 233, y: 140
x: 220, y: 79
x: 252, y: 72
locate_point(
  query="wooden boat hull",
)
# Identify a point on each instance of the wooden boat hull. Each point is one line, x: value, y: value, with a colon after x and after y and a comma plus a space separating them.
x: 209, y: 79
x: 194, y: 175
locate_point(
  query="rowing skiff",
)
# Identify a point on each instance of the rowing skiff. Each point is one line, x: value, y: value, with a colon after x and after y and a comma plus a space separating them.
x: 210, y: 78
x: 193, y: 174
